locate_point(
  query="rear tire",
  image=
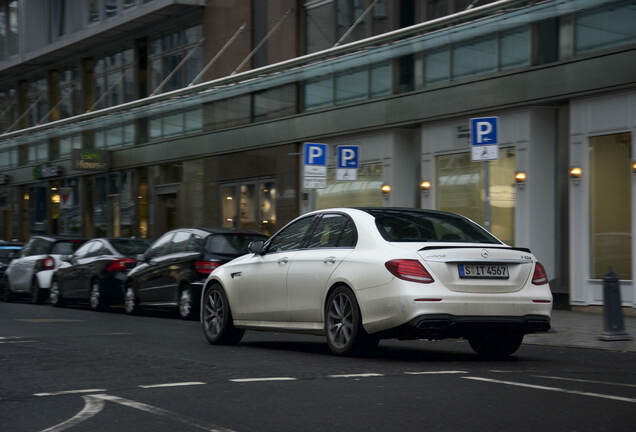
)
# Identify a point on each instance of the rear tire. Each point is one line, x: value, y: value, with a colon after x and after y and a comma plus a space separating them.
x: 7, y: 295
x: 96, y: 299
x: 343, y: 325
x: 216, y: 318
x: 496, y: 345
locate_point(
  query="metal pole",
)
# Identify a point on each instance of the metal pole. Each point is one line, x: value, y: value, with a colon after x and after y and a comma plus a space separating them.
x: 487, y: 194
x: 176, y: 68
x: 260, y: 44
x: 23, y: 114
x: 355, y: 24
x: 221, y: 51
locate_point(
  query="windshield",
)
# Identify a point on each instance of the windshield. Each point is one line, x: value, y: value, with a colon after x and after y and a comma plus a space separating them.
x: 416, y: 226
x: 230, y: 244
x: 130, y: 246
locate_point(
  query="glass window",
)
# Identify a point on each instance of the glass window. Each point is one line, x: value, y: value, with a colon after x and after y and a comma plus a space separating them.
x: 604, y: 28
x: 381, y: 79
x: 159, y: 247
x: 228, y: 206
x: 67, y: 247
x: 347, y: 12
x: 475, y: 58
x: 228, y: 112
x: 515, y: 49
x: 267, y: 207
x: 194, y: 120
x: 318, y: 93
x: 610, y: 213
x: 329, y: 231
x: 422, y: 226
x: 247, y: 206
x: 352, y: 86
x: 173, y: 124
x: 129, y: 3
x: 180, y: 241
x: 130, y: 247
x: 110, y: 8
x: 460, y: 185
x: 363, y: 192
x: 230, y: 244
x: 114, y: 136
x: 291, y: 237
x: 93, y: 11
x: 320, y: 26
x: 437, y: 66
x: 275, y: 102
x: 155, y: 128
x: 12, y: 34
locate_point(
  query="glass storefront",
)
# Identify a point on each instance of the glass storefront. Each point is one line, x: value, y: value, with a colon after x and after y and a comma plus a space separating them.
x: 460, y: 189
x: 250, y: 206
x: 610, y: 205
x: 364, y: 192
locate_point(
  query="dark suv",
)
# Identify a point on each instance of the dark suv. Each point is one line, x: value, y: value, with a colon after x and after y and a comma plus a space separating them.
x: 173, y: 269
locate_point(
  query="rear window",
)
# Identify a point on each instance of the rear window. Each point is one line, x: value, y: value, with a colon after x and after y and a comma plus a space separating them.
x: 412, y: 226
x: 130, y: 246
x: 66, y: 247
x: 230, y: 244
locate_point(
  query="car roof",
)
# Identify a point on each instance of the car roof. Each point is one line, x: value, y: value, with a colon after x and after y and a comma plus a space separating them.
x: 204, y: 231
x: 56, y: 238
x: 371, y: 210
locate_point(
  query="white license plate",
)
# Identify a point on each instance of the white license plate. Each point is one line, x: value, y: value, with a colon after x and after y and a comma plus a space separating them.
x: 483, y: 271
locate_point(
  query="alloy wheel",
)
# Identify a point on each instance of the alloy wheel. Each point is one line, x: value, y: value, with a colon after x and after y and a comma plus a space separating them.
x: 185, y: 303
x: 340, y: 320
x: 95, y: 297
x: 54, y: 294
x: 213, y: 313
x: 130, y: 302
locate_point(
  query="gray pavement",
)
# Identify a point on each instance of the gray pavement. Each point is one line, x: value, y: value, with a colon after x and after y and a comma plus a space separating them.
x: 582, y: 330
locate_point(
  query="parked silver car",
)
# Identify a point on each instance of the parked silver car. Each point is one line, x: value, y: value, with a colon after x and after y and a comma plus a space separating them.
x: 31, y: 272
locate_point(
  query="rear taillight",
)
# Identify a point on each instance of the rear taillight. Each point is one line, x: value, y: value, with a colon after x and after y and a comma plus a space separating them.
x: 47, y: 263
x: 539, y: 277
x: 410, y: 270
x: 206, y: 267
x: 121, y: 264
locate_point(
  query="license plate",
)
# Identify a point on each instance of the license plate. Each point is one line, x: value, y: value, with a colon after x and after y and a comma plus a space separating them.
x: 483, y: 271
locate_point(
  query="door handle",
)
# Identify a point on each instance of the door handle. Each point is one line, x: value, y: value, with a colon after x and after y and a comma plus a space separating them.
x: 283, y: 260
x: 330, y: 260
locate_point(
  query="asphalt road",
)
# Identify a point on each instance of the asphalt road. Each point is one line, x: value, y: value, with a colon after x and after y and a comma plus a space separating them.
x: 77, y: 370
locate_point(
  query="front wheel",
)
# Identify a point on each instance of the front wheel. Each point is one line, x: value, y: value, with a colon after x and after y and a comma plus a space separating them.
x: 7, y: 295
x: 186, y: 307
x: 495, y: 345
x: 216, y: 318
x: 36, y: 293
x: 95, y: 297
x: 130, y: 301
x: 55, y: 295
x: 343, y: 325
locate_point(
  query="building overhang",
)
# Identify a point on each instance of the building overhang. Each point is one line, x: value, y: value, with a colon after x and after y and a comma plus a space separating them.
x: 129, y: 22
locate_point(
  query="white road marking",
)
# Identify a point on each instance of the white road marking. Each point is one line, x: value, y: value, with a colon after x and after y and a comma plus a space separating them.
x: 449, y: 372
x: 242, y: 380
x: 177, y: 384
x: 585, y: 380
x: 48, y: 320
x: 10, y: 337
x: 115, y: 334
x: 92, y: 407
x: 16, y: 341
x: 70, y: 392
x: 362, y: 375
x: 160, y: 412
x: 554, y: 389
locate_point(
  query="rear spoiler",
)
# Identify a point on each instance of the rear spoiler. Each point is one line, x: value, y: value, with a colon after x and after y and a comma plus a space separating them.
x: 521, y: 249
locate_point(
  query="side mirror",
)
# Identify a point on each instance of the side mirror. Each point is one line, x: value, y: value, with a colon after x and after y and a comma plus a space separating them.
x: 256, y: 247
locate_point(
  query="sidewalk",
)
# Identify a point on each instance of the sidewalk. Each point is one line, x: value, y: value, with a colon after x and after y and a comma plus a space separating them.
x: 582, y: 330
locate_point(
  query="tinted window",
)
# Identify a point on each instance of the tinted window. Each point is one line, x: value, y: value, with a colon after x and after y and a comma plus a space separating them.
x: 66, y: 247
x: 291, y: 237
x: 180, y: 242
x: 7, y: 253
x: 413, y: 226
x: 159, y: 247
x: 230, y: 244
x: 130, y: 247
x: 329, y: 231
x: 39, y: 247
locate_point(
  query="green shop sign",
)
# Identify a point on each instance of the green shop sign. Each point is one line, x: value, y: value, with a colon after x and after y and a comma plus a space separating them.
x: 46, y: 171
x: 90, y: 160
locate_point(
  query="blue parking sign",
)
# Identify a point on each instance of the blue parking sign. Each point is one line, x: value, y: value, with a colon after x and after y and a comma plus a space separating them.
x: 348, y: 156
x: 315, y: 154
x: 483, y: 131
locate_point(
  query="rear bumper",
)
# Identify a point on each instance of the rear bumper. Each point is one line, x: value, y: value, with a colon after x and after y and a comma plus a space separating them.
x: 442, y: 326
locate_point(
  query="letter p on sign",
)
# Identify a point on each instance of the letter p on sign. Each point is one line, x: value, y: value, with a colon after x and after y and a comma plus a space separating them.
x: 483, y: 131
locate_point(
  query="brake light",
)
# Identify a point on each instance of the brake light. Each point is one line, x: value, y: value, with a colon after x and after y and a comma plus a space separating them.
x: 121, y: 264
x: 539, y: 277
x: 410, y: 270
x: 206, y: 267
x: 47, y: 263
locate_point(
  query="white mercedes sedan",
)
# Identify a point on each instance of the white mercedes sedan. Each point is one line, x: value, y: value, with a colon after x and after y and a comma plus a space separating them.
x: 360, y: 275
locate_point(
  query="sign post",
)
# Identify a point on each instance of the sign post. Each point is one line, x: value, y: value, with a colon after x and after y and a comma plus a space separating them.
x: 314, y: 169
x: 484, y: 143
x: 348, y: 162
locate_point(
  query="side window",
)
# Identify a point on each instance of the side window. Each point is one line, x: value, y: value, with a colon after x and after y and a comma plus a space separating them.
x: 333, y: 230
x: 26, y: 250
x: 159, y: 247
x: 290, y: 237
x: 83, y: 250
x: 180, y: 242
x: 40, y: 247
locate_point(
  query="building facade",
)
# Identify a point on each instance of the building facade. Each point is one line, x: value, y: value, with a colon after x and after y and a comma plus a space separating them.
x: 131, y: 117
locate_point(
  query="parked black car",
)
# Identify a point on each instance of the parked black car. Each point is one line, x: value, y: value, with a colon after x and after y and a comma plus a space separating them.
x: 173, y: 269
x: 8, y: 251
x: 96, y: 272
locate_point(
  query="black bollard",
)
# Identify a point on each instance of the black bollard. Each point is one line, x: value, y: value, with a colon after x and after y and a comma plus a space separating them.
x: 612, y: 310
